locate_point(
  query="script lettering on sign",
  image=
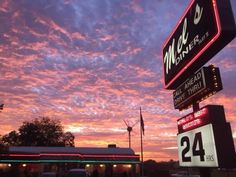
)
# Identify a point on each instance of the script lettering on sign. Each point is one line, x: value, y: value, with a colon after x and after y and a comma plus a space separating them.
x: 188, y: 48
x: 179, y: 50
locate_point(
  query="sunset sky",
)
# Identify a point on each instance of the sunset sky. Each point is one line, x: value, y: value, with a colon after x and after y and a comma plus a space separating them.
x: 92, y: 63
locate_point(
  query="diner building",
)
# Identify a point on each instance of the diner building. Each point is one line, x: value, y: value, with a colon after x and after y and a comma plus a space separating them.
x: 111, y: 161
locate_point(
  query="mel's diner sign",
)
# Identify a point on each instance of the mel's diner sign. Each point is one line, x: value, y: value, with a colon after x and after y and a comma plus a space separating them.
x: 206, y: 27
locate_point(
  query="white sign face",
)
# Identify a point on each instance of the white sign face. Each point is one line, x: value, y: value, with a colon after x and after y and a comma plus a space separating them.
x: 196, y: 148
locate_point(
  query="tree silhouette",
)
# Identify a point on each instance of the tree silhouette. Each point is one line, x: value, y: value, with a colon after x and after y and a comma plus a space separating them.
x: 2, y: 145
x: 39, y: 132
x: 10, y: 139
x: 68, y: 139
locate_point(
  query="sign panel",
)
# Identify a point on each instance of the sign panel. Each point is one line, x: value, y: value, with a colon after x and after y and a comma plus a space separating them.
x: 213, y: 114
x: 199, y: 86
x: 196, y: 148
x: 205, y: 29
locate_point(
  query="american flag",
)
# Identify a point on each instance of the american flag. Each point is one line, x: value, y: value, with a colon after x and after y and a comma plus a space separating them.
x: 141, y: 121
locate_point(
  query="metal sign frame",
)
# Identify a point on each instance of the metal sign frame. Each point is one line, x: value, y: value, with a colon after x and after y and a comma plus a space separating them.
x: 203, y: 40
x: 199, y: 86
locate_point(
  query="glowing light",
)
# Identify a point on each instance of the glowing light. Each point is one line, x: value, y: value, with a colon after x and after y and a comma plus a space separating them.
x: 234, y: 135
x: 2, y: 165
x: 192, y: 124
x: 67, y: 161
x: 127, y: 166
x: 9, y: 165
x: 87, y: 165
x: 101, y: 165
x: 114, y: 165
x: 24, y: 165
x: 194, y: 116
x: 201, y: 113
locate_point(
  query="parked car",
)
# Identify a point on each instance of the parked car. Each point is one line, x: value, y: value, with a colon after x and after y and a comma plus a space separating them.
x: 48, y: 174
x: 77, y: 173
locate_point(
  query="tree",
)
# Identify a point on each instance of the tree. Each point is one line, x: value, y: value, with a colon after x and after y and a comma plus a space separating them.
x: 68, y: 139
x: 39, y: 132
x: 1, y: 144
x: 10, y: 139
x: 3, y: 147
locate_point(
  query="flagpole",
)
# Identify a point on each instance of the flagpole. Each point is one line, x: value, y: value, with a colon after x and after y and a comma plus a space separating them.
x: 141, y: 138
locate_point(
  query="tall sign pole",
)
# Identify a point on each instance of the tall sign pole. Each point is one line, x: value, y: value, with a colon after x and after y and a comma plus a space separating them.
x: 204, y: 172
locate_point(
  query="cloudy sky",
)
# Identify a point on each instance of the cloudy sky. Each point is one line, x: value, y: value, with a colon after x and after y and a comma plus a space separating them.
x: 92, y: 64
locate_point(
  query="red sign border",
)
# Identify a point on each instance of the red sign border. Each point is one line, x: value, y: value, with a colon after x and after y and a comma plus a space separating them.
x: 219, y: 30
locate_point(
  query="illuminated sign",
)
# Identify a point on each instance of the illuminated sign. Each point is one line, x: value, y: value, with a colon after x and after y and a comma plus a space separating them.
x: 204, y: 30
x: 199, y: 86
x: 197, y: 148
x: 203, y: 147
x: 209, y: 114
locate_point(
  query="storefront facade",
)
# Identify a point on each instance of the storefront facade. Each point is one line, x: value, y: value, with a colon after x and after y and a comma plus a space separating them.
x: 108, y: 162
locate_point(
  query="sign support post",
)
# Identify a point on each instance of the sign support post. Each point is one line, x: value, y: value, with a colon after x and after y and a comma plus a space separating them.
x: 196, y: 107
x: 204, y: 172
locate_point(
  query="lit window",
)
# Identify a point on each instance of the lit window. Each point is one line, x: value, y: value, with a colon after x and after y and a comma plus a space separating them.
x: 127, y: 166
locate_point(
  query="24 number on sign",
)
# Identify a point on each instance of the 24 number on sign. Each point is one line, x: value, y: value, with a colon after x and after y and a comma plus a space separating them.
x: 197, y: 147
x: 196, y: 152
